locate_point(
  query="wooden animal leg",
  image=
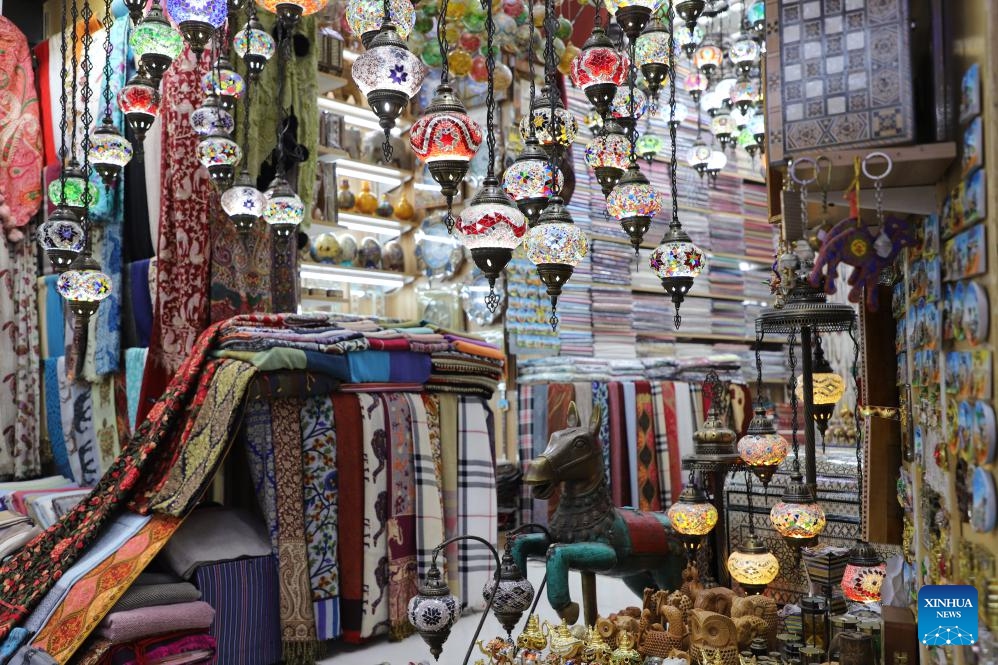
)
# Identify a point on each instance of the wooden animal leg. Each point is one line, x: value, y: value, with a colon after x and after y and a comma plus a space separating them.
x: 578, y: 556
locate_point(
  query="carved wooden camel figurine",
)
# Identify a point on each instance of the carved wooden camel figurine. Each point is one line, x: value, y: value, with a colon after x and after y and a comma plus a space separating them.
x: 588, y: 533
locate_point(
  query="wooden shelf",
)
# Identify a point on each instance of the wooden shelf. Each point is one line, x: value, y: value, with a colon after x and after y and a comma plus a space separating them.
x: 325, y: 226
x: 327, y: 82
x: 914, y: 166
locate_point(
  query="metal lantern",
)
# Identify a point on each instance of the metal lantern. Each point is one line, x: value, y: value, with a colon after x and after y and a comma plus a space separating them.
x: 689, y: 11
x: 225, y: 82
x: 365, y: 17
x: 717, y: 161
x: 211, y: 118
x: 677, y: 262
x: 708, y: 58
x: 255, y: 46
x: 628, y: 111
x: 695, y: 85
x: 219, y: 154
x: 61, y: 237
x: 243, y: 202
x: 693, y: 516
x: 139, y: 101
x: 109, y: 152
x: 634, y: 202
x: 649, y: 146
x: 753, y: 566
x: 599, y: 69
x: 433, y: 611
x: 828, y: 388
x: 723, y: 128
x: 699, y: 157
x: 744, y: 54
x: 755, y: 16
x: 748, y: 142
x: 514, y: 596
x: 741, y: 118
x: 84, y: 285
x: 291, y: 11
x: 651, y: 55
x: 712, y: 102
x: 135, y: 9
x: 557, y: 138
x: 762, y: 448
x: 529, y: 182
x: 556, y: 245
x: 284, y: 210
x: 798, y: 517
x: 632, y: 15
x: 198, y: 20
x: 155, y: 42
x: 864, y: 574
x: 744, y: 95
x: 70, y: 189
x: 757, y: 125
x: 609, y: 155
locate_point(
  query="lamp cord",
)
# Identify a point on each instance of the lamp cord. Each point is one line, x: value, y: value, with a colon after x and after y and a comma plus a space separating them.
x: 490, y: 92
x: 63, y: 150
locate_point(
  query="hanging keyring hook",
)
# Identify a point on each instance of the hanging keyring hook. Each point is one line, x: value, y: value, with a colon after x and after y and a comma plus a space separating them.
x: 874, y: 156
x: 804, y: 182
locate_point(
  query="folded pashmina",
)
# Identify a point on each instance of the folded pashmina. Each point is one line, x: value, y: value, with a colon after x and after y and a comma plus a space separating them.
x: 10, y: 518
x: 327, y: 363
x: 151, y: 595
x: 211, y: 535
x: 381, y: 344
x: 42, y: 507
x: 48, y: 483
x: 15, y: 537
x: 144, y: 622
x: 19, y: 500
x: 176, y: 649
x: 13, y: 642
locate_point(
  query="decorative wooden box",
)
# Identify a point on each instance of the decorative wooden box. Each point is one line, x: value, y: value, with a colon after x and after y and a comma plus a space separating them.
x: 838, y: 75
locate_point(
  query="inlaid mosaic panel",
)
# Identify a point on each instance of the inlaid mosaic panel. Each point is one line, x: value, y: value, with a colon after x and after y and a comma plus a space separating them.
x: 838, y: 74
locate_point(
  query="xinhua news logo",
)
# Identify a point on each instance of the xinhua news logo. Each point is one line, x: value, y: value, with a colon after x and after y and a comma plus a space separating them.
x: 947, y: 614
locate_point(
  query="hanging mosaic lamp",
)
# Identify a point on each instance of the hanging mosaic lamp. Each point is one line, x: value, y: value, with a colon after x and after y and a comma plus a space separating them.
x: 651, y: 55
x: 632, y: 15
x: 290, y: 11
x: 219, y: 154
x: 757, y: 125
x: 722, y: 127
x: 84, y: 285
x: 446, y: 139
x: 61, y: 237
x: 388, y: 75
x: 540, y: 116
x: 741, y: 119
x: 755, y: 16
x: 829, y: 388
x: 365, y: 16
x: 693, y: 516
x: 797, y: 516
x: 634, y: 202
x: 284, y: 210
x: 135, y: 9
x: 676, y: 118
x: 155, y: 42
x: 109, y: 152
x: 677, y: 262
x: 491, y: 226
x: 744, y: 54
x: 255, y: 46
x: 689, y: 11
x: 626, y: 112
x: 243, y: 202
x: 528, y: 181
x: 76, y: 188
x: 717, y: 161
x: 724, y: 87
x: 699, y: 157
x: 433, y: 611
x: 695, y: 85
x: 514, y: 596
x: 608, y: 154
x: 599, y: 69
x: 744, y: 95
x: 762, y: 448
x: 712, y: 102
x: 864, y: 574
x: 649, y: 146
x: 139, y: 101
x: 753, y: 566
x: 707, y: 59
x: 198, y: 20
x: 747, y: 141
x: 556, y: 245
x: 689, y: 38
x: 225, y: 82
x: 211, y: 118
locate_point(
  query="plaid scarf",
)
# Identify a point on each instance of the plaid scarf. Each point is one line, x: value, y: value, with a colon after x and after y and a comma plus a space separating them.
x: 476, y: 497
x: 525, y: 432
x: 661, y: 443
x: 428, y: 471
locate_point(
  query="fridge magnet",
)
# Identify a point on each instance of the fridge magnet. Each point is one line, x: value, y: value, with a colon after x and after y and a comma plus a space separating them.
x: 970, y: 93
x: 974, y: 200
x: 973, y: 147
x: 975, y: 313
x: 984, y: 433
x: 972, y: 250
x: 957, y: 312
x: 965, y: 429
x: 984, y: 510
x: 980, y: 362
x: 930, y: 235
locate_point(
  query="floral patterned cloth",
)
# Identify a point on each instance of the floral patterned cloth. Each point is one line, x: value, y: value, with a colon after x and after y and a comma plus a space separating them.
x: 401, y: 515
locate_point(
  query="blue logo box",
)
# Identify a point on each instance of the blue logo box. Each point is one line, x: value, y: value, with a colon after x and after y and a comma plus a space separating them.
x: 947, y: 615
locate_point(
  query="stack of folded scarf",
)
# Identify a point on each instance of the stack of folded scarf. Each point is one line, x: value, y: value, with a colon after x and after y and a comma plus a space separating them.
x: 472, y: 366
x: 175, y: 633
x: 7, y: 490
x: 15, y: 531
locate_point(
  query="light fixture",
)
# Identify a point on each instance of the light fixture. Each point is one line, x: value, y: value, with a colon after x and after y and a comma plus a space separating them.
x: 829, y: 388
x: 864, y: 574
x: 376, y: 225
x: 755, y: 16
x: 291, y: 11
x: 388, y: 75
x: 747, y: 141
x: 693, y: 516
x: 695, y: 84
x: 677, y: 262
x: 634, y: 202
x: 752, y: 565
x: 744, y: 95
x: 744, y: 53
x: 61, y: 237
x: 608, y: 153
x: 514, y: 596
x: 599, y: 69
x: 707, y: 59
x: 626, y: 111
x: 255, y: 46
x: 210, y: 118
x: 556, y: 245
x: 689, y: 11
x: 699, y: 157
x: 433, y: 611
x: 224, y: 81
x: 651, y: 55
x: 762, y: 448
x: 491, y: 226
x: 540, y: 117
x: 198, y: 20
x: 633, y: 15
x: 717, y: 161
x: 243, y: 202
x: 797, y: 516
x: 135, y: 9
x: 284, y: 209
x: 219, y: 154
x: 649, y: 146
x: 711, y: 102
x: 741, y: 118
x: 155, y: 42
x: 724, y: 88
x: 72, y: 188
x: 340, y: 275
x: 84, y: 285
x: 528, y: 180
x: 365, y: 16
x: 689, y: 38
x: 757, y: 125
x: 722, y: 127
x: 109, y: 152
x: 139, y: 101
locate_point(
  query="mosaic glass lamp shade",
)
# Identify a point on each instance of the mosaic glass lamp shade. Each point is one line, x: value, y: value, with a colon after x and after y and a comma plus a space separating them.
x: 755, y: 15
x: 365, y: 16
x: 677, y: 262
x: 753, y: 566
x: 290, y: 11
x: 828, y: 388
x: 757, y: 125
x: 109, y: 152
x: 712, y: 102
x: 676, y: 118
x: 744, y: 94
x: 139, y: 101
x: 255, y: 46
x: 634, y: 202
x: 797, y: 516
x: 491, y: 226
x: 433, y: 611
x: 609, y: 155
x: 762, y: 448
x: 742, y: 118
x: 388, y: 74
x: 651, y: 55
x: 699, y: 156
x: 84, y: 285
x: 528, y: 181
x: 689, y: 39
x: 77, y: 186
x: 632, y: 15
x: 224, y: 81
x: 566, y: 127
x: 864, y: 574
x: 556, y: 245
x: 723, y: 128
x: 514, y: 596
x: 695, y: 84
x: 649, y: 146
x: 599, y: 69
x: 747, y: 141
x: 707, y: 58
x: 621, y: 109
x: 717, y: 161
x: 446, y: 139
x: 211, y: 118
x: 693, y: 514
x: 744, y: 54
x: 219, y: 154
x: 197, y: 20
x: 284, y: 209
x: 155, y: 42
x: 243, y: 202
x: 61, y: 237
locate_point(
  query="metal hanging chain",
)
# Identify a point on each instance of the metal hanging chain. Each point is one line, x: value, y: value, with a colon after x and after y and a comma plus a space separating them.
x: 442, y: 41
x: 63, y: 150
x: 878, y: 180
x: 284, y: 57
x: 250, y: 13
x: 108, y: 22
x: 550, y: 69
x: 87, y: 68
x: 74, y: 62
x: 673, y: 161
x: 598, y: 20
x: 751, y: 509
x: 532, y: 70
x: 386, y: 146
x: 490, y: 92
x: 803, y: 184
x: 758, y: 365
x: 792, y: 385
x: 632, y: 80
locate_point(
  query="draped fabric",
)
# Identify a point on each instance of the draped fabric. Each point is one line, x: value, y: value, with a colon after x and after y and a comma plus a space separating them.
x: 428, y: 472
x: 20, y: 132
x: 401, y: 515
x: 260, y: 457
x: 376, y: 499
x: 619, y: 482
x: 631, y: 440
x: 183, y: 259
x: 662, y: 442
x: 525, y: 445
x: 447, y: 417
x: 53, y: 418
x: 540, y: 442
x: 476, y: 497
x: 240, y: 268
x: 649, y: 492
x: 105, y: 422
x: 601, y: 400
x: 318, y: 429
x: 352, y: 502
